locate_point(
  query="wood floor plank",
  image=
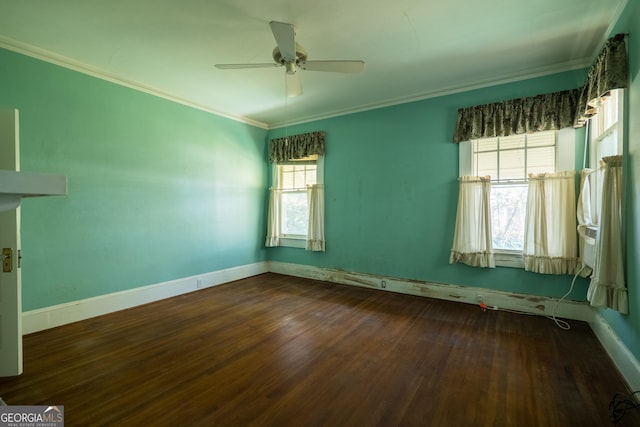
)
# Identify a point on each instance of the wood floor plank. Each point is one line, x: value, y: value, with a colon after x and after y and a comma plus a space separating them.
x: 274, y: 350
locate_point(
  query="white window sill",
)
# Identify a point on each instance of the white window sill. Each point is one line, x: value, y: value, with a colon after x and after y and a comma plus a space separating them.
x: 289, y: 242
x: 509, y: 259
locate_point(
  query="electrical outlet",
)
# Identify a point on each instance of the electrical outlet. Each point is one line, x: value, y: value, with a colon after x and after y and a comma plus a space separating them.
x: 198, y: 283
x: 383, y: 284
x: 479, y: 297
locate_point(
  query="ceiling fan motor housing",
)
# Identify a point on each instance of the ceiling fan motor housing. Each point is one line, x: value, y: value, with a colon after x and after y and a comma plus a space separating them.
x: 301, y: 56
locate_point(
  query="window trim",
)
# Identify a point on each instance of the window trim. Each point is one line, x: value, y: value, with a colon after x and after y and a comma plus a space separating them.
x: 565, y: 160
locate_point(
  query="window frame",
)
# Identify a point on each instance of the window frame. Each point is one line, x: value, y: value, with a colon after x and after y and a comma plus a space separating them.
x: 296, y: 240
x: 565, y: 160
x: 598, y: 133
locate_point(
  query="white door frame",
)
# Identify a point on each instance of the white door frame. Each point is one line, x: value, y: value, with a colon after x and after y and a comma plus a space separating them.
x: 10, y: 282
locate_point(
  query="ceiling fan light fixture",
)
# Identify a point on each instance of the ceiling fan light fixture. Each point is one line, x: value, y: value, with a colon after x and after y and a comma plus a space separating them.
x: 293, y: 85
x: 290, y: 67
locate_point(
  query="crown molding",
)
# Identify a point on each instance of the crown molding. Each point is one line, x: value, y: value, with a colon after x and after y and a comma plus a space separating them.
x: 74, y: 65
x: 480, y: 84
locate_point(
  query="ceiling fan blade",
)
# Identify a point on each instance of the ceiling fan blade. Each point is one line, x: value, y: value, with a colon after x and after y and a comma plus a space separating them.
x: 294, y: 86
x: 285, y: 36
x: 333, y: 66
x: 241, y: 66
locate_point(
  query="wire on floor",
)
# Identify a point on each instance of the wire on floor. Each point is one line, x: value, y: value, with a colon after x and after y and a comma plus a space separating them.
x: 621, y: 403
x: 561, y: 323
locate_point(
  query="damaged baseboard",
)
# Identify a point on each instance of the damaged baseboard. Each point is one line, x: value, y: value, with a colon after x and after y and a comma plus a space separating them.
x: 502, y: 300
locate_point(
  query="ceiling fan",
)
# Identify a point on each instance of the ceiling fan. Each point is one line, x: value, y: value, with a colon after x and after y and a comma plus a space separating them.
x: 292, y: 56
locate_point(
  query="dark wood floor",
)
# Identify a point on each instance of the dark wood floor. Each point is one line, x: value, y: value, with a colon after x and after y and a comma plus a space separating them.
x: 282, y: 351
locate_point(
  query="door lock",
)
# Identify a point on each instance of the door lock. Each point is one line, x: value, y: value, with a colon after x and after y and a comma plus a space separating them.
x: 7, y: 260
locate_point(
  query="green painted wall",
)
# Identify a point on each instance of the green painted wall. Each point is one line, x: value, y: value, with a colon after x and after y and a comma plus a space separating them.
x: 157, y: 190
x: 627, y: 327
x: 391, y: 192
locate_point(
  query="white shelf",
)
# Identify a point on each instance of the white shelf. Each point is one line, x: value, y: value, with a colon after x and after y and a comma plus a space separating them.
x: 16, y: 185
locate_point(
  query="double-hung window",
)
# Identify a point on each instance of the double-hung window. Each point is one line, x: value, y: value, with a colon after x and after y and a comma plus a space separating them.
x: 605, y: 139
x: 508, y: 161
x: 293, y: 178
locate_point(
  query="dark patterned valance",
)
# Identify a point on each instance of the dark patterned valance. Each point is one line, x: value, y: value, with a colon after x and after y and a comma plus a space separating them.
x: 296, y: 146
x: 610, y: 71
x: 536, y: 113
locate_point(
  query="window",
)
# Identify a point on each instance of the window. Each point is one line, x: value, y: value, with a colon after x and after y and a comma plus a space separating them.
x: 605, y: 139
x: 293, y: 178
x: 605, y: 128
x: 508, y: 161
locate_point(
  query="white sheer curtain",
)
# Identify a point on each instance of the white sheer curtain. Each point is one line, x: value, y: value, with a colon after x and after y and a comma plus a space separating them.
x: 472, y: 238
x: 315, y: 234
x: 550, y: 227
x: 587, y: 219
x: 585, y: 214
x: 273, y: 219
x: 607, y: 288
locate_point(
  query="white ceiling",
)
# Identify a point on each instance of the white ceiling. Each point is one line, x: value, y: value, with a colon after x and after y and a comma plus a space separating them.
x: 413, y: 49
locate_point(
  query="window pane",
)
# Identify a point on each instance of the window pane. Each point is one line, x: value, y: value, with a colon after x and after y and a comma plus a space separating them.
x: 294, y: 176
x: 608, y: 146
x: 287, y: 179
x: 298, y: 179
x: 610, y: 110
x: 508, y: 204
x: 487, y: 164
x: 512, y: 141
x: 311, y: 175
x: 512, y: 164
x: 295, y: 213
x: 486, y: 144
x: 541, y: 160
x: 540, y: 139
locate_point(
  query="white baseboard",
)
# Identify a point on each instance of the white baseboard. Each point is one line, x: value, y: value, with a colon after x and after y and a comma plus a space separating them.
x: 622, y: 357
x: 57, y: 315
x: 502, y: 300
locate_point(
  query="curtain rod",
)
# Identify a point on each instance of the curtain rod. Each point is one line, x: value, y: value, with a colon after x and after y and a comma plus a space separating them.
x: 524, y: 181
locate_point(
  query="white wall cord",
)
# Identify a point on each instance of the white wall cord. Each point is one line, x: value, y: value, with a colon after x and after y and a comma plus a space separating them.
x: 561, y: 323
